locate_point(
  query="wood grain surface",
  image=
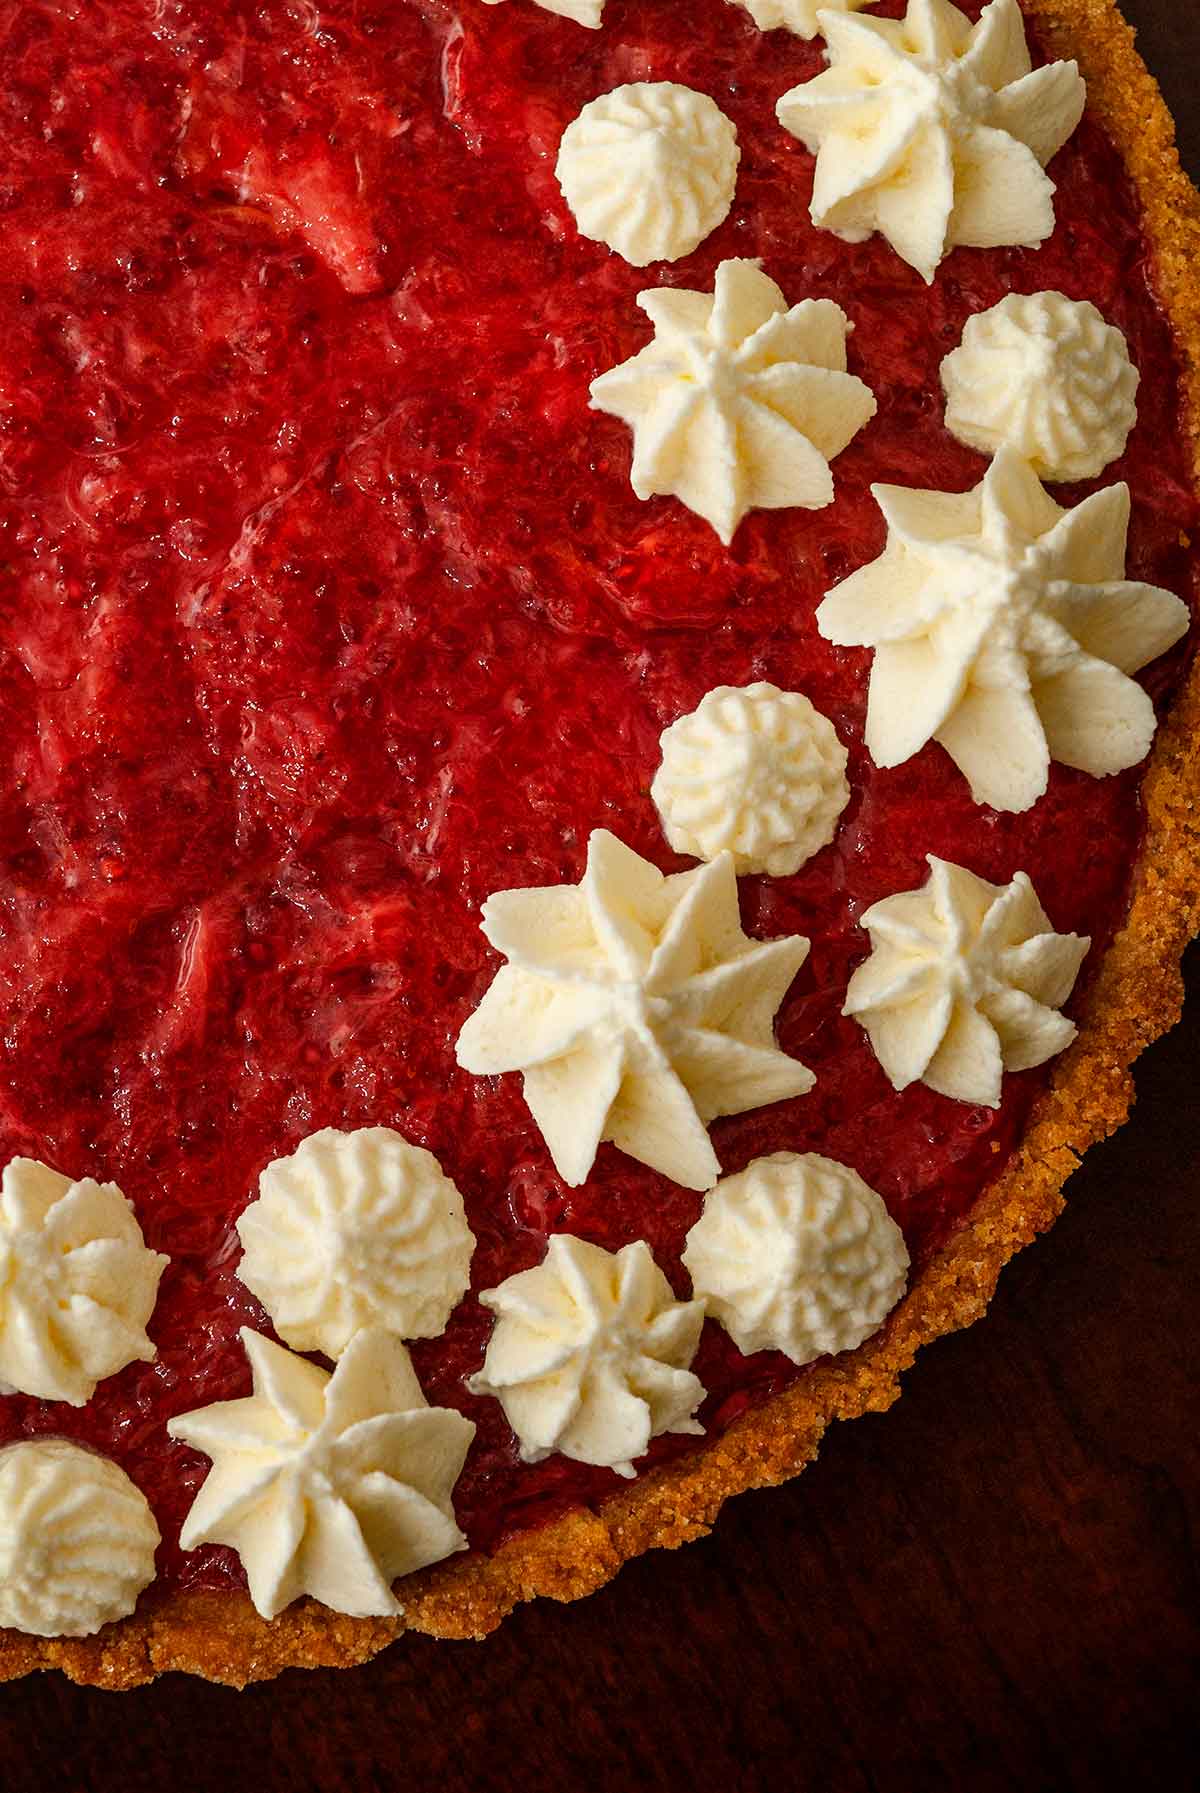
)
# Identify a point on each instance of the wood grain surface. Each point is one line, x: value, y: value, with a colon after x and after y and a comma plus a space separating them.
x: 991, y: 1587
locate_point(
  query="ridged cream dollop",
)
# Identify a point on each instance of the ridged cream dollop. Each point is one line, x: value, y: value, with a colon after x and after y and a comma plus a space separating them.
x: 353, y: 1230
x: 797, y: 1254
x: 800, y: 17
x: 753, y: 771
x: 649, y: 170
x: 584, y: 12
x: 590, y: 1355
x: 739, y: 402
x: 77, y: 1283
x: 1005, y: 628
x: 934, y: 131
x: 1047, y: 376
x: 332, y: 1486
x: 77, y: 1540
x: 637, y: 1010
x: 964, y: 982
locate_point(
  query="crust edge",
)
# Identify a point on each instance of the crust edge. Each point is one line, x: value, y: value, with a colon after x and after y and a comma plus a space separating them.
x: 1137, y: 996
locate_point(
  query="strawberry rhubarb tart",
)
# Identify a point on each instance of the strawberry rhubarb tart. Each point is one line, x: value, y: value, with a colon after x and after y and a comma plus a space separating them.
x: 597, y: 777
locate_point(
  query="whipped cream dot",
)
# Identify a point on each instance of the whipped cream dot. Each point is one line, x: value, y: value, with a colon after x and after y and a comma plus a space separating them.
x: 801, y: 17
x: 77, y: 1283
x: 649, y: 170
x: 933, y: 131
x: 964, y: 982
x: 1004, y: 628
x: 77, y: 1540
x: 332, y: 1486
x: 637, y: 1010
x: 740, y: 402
x: 590, y: 1355
x: 1047, y: 376
x: 797, y: 1254
x: 754, y: 771
x: 354, y: 1230
x: 584, y: 12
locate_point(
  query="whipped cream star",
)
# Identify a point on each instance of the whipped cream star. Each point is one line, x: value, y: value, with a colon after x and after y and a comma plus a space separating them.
x: 77, y: 1284
x: 1005, y: 628
x: 584, y: 12
x: 801, y: 17
x: 590, y: 1355
x: 637, y: 1010
x: 797, y: 1254
x: 934, y: 131
x: 649, y: 170
x: 964, y: 982
x: 332, y: 1486
x: 354, y: 1230
x: 77, y: 1540
x: 754, y: 771
x: 1047, y: 376
x: 740, y: 402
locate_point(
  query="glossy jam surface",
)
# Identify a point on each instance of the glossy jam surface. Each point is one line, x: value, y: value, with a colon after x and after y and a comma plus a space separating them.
x: 329, y: 610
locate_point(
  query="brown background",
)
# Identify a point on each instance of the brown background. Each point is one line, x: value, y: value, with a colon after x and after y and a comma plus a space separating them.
x: 991, y: 1587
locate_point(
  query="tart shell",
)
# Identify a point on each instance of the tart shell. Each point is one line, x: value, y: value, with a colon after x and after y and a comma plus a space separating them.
x: 1137, y: 995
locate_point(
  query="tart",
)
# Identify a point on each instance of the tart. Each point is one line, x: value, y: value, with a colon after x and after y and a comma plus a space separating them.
x: 362, y: 587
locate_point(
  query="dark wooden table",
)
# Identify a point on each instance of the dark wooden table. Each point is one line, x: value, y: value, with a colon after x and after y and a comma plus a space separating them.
x: 991, y: 1587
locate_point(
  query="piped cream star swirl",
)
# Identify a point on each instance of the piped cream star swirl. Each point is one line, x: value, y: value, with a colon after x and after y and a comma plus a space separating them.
x: 934, y: 131
x: 332, y: 1486
x: 637, y: 1010
x: 797, y: 1254
x: 353, y: 1230
x: 801, y: 17
x: 1047, y: 376
x: 584, y: 12
x: 77, y: 1540
x: 754, y: 771
x: 739, y: 402
x: 964, y: 982
x: 590, y: 1355
x: 1005, y: 628
x: 77, y: 1284
x: 649, y: 170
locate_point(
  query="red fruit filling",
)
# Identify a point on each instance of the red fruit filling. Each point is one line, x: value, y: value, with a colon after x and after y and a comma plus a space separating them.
x: 331, y: 610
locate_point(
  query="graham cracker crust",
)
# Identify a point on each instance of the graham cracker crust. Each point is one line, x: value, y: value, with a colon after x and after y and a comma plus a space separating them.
x: 1137, y: 995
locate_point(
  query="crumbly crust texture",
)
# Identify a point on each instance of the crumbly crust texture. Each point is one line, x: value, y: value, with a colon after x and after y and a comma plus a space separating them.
x: 1136, y: 997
